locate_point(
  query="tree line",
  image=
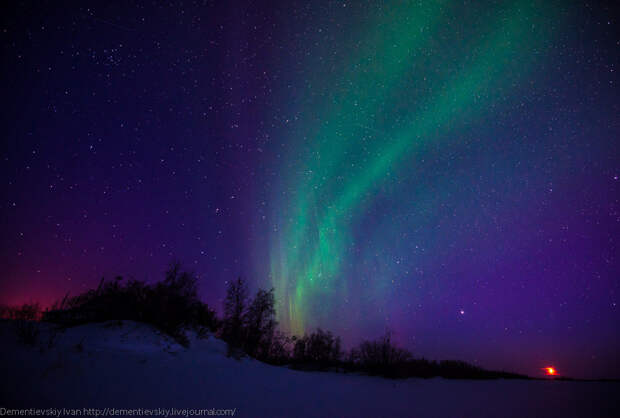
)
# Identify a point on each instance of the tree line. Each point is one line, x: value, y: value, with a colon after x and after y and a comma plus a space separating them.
x: 248, y: 326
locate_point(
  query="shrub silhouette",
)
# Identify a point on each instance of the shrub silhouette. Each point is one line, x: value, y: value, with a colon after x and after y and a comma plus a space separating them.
x: 380, y: 357
x: 235, y: 305
x: 383, y: 358
x: 456, y: 369
x: 280, y: 349
x: 319, y: 349
x: 24, y: 319
x: 260, y: 324
x: 249, y: 326
x: 171, y: 305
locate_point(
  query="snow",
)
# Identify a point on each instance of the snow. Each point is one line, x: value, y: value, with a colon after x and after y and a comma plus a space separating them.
x: 133, y: 366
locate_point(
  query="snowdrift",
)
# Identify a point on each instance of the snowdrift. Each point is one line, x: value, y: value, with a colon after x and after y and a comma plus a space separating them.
x: 130, y: 365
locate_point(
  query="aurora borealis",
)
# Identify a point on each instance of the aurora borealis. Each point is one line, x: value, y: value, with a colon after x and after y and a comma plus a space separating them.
x: 347, y: 163
x: 444, y: 170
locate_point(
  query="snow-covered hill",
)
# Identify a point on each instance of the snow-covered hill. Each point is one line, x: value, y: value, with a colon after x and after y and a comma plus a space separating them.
x: 132, y: 366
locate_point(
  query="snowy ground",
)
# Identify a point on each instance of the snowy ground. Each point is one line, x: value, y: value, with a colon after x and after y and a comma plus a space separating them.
x: 132, y: 366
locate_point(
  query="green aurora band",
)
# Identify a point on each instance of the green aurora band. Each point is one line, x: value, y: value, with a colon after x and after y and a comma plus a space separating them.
x: 402, y: 93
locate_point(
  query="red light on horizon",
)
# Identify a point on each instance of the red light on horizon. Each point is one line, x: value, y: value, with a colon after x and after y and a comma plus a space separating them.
x: 551, y: 371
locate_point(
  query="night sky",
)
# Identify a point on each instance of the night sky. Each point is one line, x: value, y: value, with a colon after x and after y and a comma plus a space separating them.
x: 448, y: 171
